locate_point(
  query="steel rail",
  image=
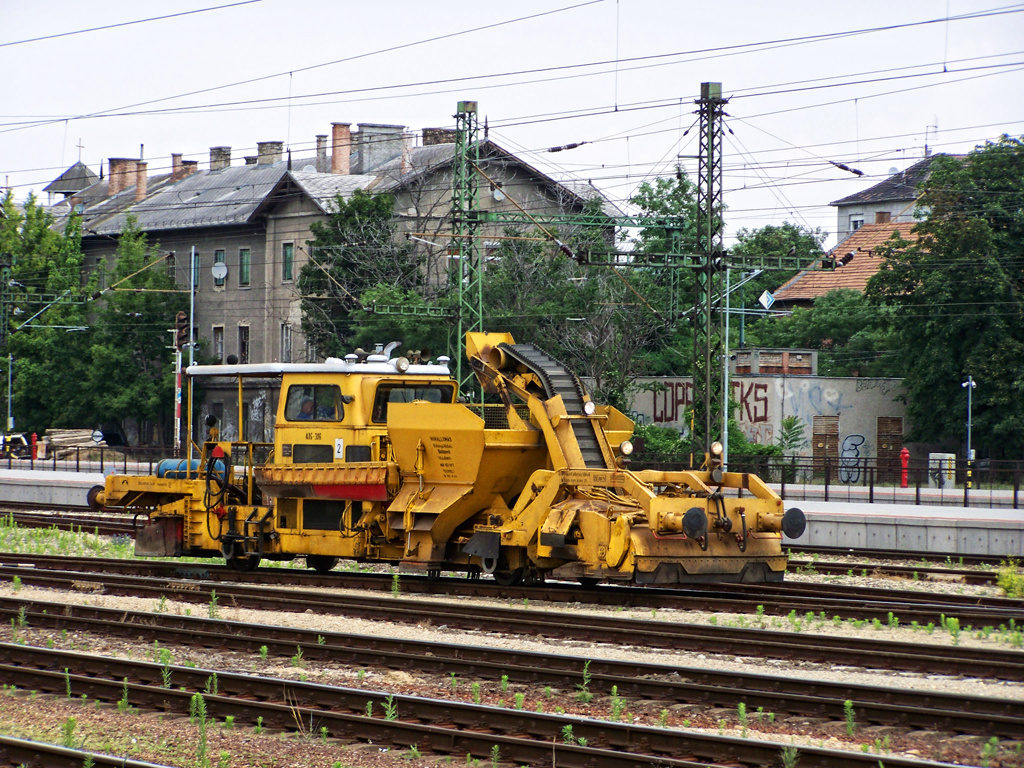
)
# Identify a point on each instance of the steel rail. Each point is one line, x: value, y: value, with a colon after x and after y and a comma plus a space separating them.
x: 833, y: 600
x: 439, y: 725
x: 875, y: 705
x: 105, y: 526
x: 894, y: 554
x: 963, y: 575
x: 992, y: 663
x: 38, y: 754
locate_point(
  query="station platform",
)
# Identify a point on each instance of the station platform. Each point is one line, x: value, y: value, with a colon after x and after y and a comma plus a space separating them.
x: 915, y: 528
x: 945, y: 529
x: 24, y: 487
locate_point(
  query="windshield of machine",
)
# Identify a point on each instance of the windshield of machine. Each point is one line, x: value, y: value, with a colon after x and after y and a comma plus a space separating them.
x: 307, y: 402
x: 407, y: 393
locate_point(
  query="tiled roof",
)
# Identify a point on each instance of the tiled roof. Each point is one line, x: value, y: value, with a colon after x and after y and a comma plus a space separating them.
x: 864, y: 244
x: 900, y: 186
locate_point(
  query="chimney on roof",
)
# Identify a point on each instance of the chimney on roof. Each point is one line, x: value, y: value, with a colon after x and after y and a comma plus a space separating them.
x: 220, y: 157
x: 176, y: 170
x: 188, y: 167
x: 406, y: 153
x: 433, y: 136
x: 140, y: 181
x: 321, y: 153
x: 341, y: 148
x: 251, y: 159
x: 377, y: 144
x: 122, y: 174
x: 269, y: 152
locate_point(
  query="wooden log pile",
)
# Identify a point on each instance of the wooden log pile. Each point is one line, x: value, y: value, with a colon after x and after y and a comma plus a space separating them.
x: 66, y: 441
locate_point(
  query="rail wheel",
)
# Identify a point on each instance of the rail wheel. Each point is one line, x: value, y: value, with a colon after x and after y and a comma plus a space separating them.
x: 321, y: 563
x: 238, y: 559
x: 510, y: 578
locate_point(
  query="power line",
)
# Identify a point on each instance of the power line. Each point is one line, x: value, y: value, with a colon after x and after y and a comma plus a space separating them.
x: 127, y: 23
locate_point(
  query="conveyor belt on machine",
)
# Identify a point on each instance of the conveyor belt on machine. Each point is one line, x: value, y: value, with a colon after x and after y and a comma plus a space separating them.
x: 559, y: 380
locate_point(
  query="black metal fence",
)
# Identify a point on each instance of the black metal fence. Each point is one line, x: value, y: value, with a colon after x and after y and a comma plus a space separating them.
x: 126, y: 459
x: 980, y: 484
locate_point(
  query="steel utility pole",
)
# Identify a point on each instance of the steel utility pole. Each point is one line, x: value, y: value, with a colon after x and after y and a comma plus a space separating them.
x: 465, y: 245
x: 707, y: 329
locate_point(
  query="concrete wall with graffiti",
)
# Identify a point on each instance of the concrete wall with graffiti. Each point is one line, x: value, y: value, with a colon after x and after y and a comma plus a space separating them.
x: 764, y: 401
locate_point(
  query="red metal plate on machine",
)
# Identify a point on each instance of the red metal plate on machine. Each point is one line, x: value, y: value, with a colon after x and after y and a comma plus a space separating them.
x: 352, y: 492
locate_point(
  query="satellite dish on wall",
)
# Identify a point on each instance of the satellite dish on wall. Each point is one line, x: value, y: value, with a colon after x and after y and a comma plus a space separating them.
x: 220, y: 270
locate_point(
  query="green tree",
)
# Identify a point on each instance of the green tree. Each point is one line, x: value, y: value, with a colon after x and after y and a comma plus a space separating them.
x: 956, y: 298
x: 768, y: 242
x: 354, y: 250
x: 52, y: 352
x: 130, y: 342
x: 852, y: 336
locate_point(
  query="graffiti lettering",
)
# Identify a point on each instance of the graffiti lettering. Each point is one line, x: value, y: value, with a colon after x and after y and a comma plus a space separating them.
x: 849, y: 459
x: 885, y: 385
x: 670, y: 403
x: 753, y: 400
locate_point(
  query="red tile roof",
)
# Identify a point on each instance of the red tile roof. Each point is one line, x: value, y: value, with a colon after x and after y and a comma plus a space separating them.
x: 864, y: 244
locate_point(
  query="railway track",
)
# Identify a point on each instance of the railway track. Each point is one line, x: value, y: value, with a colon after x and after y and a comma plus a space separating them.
x: 877, y: 654
x: 778, y: 599
x: 440, y: 725
x: 24, y: 752
x: 106, y: 525
x: 874, y: 705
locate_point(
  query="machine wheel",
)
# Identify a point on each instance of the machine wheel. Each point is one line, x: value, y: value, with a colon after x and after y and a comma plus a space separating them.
x: 510, y: 578
x: 236, y: 557
x: 92, y: 498
x: 433, y: 574
x: 321, y: 563
x: 244, y: 563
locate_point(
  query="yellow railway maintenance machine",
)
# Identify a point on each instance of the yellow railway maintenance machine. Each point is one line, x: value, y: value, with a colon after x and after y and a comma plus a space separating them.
x: 374, y: 459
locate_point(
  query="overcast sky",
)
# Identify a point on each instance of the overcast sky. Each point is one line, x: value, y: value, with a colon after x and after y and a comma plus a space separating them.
x: 864, y: 84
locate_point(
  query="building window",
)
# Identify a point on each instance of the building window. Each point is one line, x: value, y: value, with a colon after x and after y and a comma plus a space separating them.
x: 170, y: 265
x: 311, y: 355
x: 244, y: 263
x: 883, y: 217
x: 243, y: 344
x: 218, y: 343
x: 287, y: 260
x: 218, y: 258
x: 196, y: 263
x: 856, y: 221
x: 286, y: 342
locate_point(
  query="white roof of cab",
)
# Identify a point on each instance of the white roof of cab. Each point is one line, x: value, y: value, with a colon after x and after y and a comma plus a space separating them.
x: 334, y: 365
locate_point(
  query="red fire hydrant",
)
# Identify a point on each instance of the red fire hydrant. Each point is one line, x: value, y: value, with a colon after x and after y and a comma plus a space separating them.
x: 904, y: 461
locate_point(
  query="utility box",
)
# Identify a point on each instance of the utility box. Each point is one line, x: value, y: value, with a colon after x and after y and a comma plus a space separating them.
x: 942, y: 470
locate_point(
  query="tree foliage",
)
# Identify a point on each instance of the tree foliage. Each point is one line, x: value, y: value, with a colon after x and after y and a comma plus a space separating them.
x: 956, y: 302
x: 353, y: 251
x: 130, y: 342
x: 852, y: 336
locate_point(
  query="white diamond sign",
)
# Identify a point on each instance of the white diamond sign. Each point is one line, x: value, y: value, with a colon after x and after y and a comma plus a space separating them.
x: 766, y: 300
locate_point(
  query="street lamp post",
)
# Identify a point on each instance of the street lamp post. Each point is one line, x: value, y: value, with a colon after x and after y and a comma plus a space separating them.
x: 969, y: 385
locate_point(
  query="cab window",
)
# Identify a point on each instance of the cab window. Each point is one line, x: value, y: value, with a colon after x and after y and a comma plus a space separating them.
x: 406, y: 393
x: 320, y: 402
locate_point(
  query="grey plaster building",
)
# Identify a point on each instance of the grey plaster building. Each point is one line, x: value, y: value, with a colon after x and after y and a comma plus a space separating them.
x: 892, y: 200
x: 254, y: 219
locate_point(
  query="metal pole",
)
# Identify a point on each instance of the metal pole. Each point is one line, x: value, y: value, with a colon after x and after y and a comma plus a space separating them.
x: 10, y: 373
x: 725, y: 379
x: 191, y: 306
x: 968, y: 385
x: 177, y: 402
